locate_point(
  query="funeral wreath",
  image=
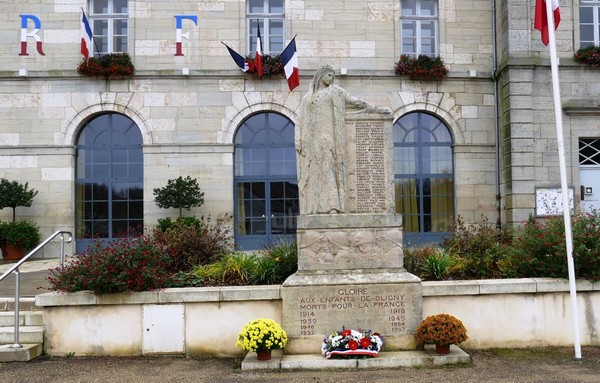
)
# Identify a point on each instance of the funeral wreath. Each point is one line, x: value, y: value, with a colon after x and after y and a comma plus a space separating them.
x: 351, y: 343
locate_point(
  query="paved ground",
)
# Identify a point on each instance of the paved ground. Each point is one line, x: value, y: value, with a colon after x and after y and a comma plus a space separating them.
x: 490, y: 366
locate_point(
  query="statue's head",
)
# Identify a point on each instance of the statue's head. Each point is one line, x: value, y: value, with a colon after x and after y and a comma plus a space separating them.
x: 322, y: 71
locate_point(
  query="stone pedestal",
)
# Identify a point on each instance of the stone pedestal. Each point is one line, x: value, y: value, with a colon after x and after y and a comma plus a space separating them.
x: 350, y: 273
x: 349, y: 241
x: 316, y: 303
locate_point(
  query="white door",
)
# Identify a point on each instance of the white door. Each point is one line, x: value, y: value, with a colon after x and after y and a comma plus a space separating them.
x: 589, y: 177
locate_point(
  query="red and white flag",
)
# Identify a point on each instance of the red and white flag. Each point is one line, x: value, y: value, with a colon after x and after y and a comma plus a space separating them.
x: 540, y: 21
x: 258, y: 56
x: 86, y: 37
x: 289, y: 58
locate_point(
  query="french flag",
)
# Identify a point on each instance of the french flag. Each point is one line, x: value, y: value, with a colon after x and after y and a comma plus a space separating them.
x: 86, y: 37
x: 240, y: 61
x: 258, y: 56
x: 540, y: 21
x: 289, y: 58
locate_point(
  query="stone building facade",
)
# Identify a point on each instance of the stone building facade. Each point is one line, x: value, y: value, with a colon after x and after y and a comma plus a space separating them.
x: 489, y: 125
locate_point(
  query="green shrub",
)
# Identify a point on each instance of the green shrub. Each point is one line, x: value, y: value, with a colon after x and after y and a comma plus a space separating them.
x: 540, y: 248
x: 235, y: 269
x: 184, y: 279
x: 167, y: 223
x: 192, y: 242
x: 275, y: 264
x: 480, y: 248
x: 138, y: 264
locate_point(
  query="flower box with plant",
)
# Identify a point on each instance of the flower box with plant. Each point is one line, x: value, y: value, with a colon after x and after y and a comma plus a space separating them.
x: 272, y: 65
x: 442, y: 330
x: 352, y: 343
x: 423, y: 68
x: 114, y: 66
x: 589, y: 55
x: 261, y: 335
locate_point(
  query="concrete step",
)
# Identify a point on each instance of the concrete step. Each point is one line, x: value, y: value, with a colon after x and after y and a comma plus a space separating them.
x: 27, y: 334
x: 26, y: 318
x: 22, y: 354
x: 25, y: 304
x: 392, y: 359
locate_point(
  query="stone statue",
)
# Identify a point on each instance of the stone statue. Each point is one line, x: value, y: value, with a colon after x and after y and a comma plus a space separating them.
x: 321, y: 143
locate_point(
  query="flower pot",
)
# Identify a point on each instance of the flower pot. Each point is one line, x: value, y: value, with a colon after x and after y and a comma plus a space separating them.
x: 442, y: 349
x: 12, y: 253
x: 263, y: 354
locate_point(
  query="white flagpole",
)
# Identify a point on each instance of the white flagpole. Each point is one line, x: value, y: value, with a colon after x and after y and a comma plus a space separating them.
x: 563, y: 177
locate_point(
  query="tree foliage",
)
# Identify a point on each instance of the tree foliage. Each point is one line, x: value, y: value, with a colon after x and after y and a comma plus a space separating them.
x: 181, y: 193
x: 14, y: 194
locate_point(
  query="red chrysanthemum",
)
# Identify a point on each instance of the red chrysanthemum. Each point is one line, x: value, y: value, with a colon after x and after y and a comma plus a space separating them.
x: 346, y: 332
x: 365, y: 342
x: 352, y: 344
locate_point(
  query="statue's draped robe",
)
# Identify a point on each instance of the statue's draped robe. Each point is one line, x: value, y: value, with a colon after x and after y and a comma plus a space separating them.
x: 320, y: 145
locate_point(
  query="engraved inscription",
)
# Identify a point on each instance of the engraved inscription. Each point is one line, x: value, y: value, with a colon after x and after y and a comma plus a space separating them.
x: 387, y: 310
x: 370, y: 167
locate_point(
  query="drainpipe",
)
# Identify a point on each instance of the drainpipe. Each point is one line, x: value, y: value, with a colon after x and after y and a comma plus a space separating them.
x: 496, y: 117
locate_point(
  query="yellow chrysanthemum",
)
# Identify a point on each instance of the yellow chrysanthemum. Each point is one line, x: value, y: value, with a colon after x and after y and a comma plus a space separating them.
x: 261, y: 334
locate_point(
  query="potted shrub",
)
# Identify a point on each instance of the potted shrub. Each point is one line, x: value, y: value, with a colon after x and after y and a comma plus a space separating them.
x: 589, y: 55
x: 441, y: 330
x: 262, y: 336
x: 18, y: 237
x: 14, y: 194
x: 422, y: 67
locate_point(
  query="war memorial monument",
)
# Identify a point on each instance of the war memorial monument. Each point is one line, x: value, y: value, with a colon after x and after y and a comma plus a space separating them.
x: 350, y: 261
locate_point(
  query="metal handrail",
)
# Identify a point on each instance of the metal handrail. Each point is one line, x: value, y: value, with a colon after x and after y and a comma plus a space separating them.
x: 15, y: 269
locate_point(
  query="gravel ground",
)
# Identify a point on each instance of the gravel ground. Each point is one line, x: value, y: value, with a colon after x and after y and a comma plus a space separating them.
x: 551, y: 365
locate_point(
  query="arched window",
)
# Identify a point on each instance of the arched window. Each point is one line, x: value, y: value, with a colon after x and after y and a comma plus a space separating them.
x: 109, y: 195
x: 424, y: 177
x: 266, y: 186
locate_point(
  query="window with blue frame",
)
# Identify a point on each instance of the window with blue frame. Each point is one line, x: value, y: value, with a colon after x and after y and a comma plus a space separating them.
x: 109, y: 189
x: 424, y: 177
x: 266, y: 187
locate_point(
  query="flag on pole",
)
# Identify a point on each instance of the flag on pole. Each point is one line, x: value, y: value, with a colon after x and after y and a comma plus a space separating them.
x: 258, y: 56
x: 289, y: 58
x: 238, y: 58
x: 86, y: 37
x: 544, y: 11
x: 540, y: 21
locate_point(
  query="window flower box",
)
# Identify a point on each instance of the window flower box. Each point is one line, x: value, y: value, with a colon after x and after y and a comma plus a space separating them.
x: 422, y: 68
x: 589, y: 55
x: 272, y: 65
x: 113, y: 66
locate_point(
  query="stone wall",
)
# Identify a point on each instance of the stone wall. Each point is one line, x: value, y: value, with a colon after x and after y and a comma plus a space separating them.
x: 515, y: 313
